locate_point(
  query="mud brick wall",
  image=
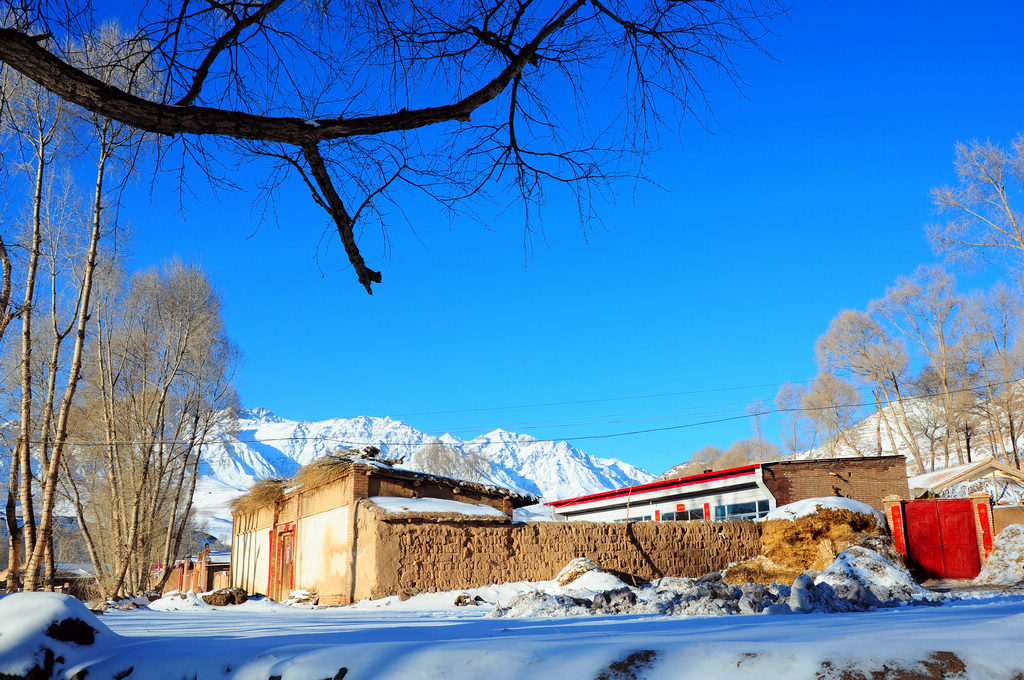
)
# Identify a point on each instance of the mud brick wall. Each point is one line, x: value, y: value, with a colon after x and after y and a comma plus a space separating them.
x: 1005, y: 515
x: 868, y: 480
x: 418, y: 556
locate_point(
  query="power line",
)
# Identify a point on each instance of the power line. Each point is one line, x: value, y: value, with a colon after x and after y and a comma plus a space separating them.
x: 667, y: 428
x: 594, y: 401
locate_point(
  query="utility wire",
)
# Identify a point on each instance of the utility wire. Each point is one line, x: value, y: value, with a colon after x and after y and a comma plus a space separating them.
x: 667, y: 428
x: 594, y: 401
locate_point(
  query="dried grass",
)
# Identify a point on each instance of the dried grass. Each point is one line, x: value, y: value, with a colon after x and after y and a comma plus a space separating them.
x: 812, y: 542
x: 263, y: 493
x: 322, y: 470
x: 759, y: 570
x: 809, y: 543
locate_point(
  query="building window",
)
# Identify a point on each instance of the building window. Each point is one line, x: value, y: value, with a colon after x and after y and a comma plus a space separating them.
x: 682, y: 515
x: 749, y: 510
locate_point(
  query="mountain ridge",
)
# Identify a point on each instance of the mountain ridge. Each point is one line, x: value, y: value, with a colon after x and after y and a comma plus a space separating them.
x: 263, y: 444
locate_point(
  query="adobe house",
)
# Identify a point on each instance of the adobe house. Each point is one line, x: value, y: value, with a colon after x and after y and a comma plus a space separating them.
x: 199, y: 573
x: 746, y: 492
x: 316, y: 531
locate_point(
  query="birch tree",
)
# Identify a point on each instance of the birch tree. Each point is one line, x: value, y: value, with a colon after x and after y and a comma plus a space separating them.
x: 984, y: 206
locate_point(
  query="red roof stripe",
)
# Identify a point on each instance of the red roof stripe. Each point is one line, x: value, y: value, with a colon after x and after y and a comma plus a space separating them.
x: 659, y: 485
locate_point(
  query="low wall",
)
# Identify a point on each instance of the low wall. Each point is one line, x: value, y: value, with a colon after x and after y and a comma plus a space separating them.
x: 1005, y: 515
x: 414, y: 556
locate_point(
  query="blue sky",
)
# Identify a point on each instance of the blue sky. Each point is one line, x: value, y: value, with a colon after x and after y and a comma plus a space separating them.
x: 807, y: 195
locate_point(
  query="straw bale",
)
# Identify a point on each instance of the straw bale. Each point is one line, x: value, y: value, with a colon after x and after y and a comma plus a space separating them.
x: 263, y: 493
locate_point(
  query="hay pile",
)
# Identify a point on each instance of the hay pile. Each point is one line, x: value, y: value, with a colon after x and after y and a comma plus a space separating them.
x: 811, y: 542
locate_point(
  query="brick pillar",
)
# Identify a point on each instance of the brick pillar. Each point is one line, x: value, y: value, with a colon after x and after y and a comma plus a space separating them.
x: 896, y: 519
x: 984, y: 524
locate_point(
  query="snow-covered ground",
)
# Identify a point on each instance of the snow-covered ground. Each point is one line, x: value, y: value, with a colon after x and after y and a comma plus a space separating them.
x: 259, y: 640
x: 861, y: 617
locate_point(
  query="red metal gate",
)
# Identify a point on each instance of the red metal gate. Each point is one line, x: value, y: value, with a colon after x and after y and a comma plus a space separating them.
x: 941, y: 539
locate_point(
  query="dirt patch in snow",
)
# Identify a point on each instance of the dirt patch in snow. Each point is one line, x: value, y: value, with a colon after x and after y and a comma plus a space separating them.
x: 72, y: 630
x: 938, y: 666
x: 226, y: 596
x: 627, y: 668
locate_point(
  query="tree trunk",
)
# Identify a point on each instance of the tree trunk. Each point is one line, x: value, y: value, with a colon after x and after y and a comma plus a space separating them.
x: 60, y: 435
x: 13, y: 530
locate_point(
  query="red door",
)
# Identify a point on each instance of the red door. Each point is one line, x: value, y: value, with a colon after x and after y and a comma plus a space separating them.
x: 284, y: 570
x: 941, y: 542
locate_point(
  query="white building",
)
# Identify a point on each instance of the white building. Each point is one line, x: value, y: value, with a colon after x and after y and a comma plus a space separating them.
x: 736, y: 493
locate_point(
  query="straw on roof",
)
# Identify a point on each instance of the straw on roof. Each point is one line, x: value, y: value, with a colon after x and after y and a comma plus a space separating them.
x: 263, y: 493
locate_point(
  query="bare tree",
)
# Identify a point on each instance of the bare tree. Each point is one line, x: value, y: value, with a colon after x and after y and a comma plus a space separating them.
x: 756, y: 410
x: 833, y: 403
x: 437, y: 458
x: 39, y: 123
x: 925, y: 308
x: 359, y: 101
x: 995, y: 320
x: 789, y: 402
x: 857, y: 345
x: 161, y: 383
x: 985, y: 223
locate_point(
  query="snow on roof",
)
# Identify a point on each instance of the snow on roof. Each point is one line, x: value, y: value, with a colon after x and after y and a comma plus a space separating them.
x: 220, y: 557
x: 77, y: 569
x: 392, y: 505
x: 938, y: 480
x: 809, y: 506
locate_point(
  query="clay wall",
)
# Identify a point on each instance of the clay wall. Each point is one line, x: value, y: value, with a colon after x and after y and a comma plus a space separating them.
x: 1005, y: 515
x: 868, y: 480
x: 416, y: 556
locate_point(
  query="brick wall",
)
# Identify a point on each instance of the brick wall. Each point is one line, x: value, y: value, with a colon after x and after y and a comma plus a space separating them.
x: 868, y: 480
x: 417, y: 556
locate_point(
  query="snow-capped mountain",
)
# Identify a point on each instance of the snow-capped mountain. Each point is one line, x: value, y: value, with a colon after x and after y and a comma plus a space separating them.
x: 264, y: 445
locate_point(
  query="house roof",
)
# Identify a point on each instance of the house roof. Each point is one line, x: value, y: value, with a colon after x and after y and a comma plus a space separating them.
x: 659, y: 485
x: 941, y: 479
x: 390, y: 508
x: 329, y: 469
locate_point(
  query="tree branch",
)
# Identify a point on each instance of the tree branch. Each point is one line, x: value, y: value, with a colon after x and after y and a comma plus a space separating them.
x: 22, y: 53
x: 341, y: 218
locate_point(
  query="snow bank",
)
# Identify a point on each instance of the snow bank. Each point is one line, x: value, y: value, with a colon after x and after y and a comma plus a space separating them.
x: 44, y: 634
x: 858, y: 580
x: 399, y: 506
x: 445, y: 601
x: 1005, y: 566
x: 176, y: 601
x: 810, y: 506
x: 867, y: 579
